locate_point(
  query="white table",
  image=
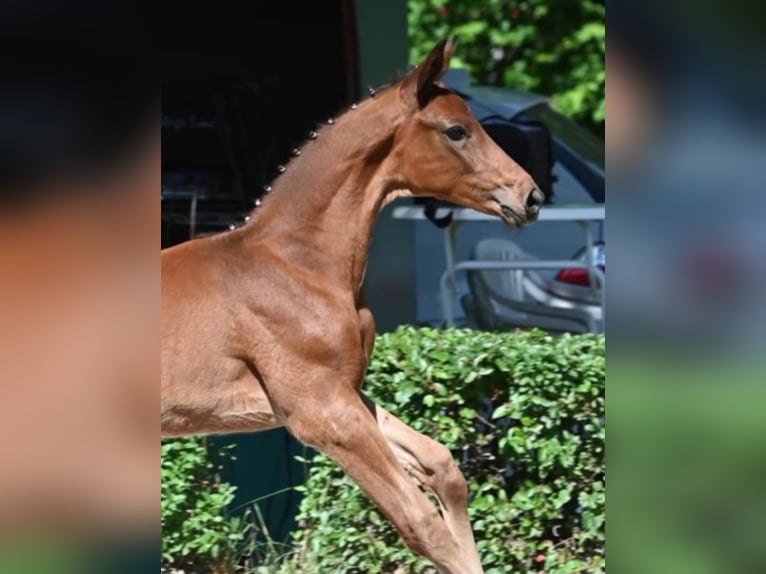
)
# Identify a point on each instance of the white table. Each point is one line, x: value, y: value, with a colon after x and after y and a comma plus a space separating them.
x: 580, y: 214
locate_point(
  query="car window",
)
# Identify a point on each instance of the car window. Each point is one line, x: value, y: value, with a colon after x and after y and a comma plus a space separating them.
x: 580, y: 140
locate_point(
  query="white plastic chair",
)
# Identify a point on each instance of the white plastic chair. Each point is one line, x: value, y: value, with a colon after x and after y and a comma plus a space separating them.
x: 510, y: 298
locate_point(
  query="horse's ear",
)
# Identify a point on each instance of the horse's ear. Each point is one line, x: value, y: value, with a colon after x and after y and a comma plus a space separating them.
x: 418, y: 84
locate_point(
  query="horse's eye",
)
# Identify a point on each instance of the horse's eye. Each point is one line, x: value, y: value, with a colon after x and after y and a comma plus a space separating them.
x: 456, y: 133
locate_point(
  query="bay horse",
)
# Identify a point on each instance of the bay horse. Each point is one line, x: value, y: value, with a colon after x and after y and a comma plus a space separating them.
x: 265, y: 325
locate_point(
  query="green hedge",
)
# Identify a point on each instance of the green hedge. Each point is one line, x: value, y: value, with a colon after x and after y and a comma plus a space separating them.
x: 197, y: 533
x: 524, y: 416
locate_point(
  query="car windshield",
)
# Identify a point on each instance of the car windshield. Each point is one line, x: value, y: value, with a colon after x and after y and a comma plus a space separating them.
x: 577, y: 138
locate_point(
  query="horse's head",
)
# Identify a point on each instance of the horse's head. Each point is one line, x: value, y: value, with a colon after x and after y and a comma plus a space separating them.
x: 443, y: 152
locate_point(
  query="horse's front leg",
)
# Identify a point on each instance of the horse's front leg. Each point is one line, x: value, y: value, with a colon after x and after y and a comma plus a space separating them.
x: 329, y: 415
x: 432, y: 464
x: 428, y: 461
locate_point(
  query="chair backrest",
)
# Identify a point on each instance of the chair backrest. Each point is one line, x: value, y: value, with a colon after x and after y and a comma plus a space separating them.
x: 505, y: 283
x: 487, y: 286
x: 507, y: 297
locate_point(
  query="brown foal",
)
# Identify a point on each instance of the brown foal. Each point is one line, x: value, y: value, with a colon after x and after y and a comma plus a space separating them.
x: 264, y: 326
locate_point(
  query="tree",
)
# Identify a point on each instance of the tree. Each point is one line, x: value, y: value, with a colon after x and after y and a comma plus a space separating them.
x: 553, y: 47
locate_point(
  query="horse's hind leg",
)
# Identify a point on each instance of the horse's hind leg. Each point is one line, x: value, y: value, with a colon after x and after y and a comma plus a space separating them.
x: 431, y: 463
x: 345, y: 430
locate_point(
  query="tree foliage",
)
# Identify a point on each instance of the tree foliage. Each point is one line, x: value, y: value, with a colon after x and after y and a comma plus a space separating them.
x: 553, y: 47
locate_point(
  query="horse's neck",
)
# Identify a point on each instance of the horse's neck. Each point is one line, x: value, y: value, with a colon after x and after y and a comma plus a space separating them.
x: 321, y: 211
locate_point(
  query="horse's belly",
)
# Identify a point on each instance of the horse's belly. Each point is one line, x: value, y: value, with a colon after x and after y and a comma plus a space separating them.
x: 221, y: 395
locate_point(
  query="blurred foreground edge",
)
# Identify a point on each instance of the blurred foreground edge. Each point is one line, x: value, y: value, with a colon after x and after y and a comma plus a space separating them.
x: 79, y: 284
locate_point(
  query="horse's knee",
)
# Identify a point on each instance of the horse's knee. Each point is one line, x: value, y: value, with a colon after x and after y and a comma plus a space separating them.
x: 447, y: 474
x: 455, y: 484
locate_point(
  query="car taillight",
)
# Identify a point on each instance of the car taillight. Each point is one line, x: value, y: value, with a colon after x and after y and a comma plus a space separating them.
x: 580, y: 276
x: 576, y: 276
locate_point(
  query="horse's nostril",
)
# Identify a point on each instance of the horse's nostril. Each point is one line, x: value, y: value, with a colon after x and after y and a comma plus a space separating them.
x: 535, y: 199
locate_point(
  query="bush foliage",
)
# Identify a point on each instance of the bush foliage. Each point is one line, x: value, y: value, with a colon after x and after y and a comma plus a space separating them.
x: 553, y: 47
x: 523, y: 414
x: 197, y: 534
